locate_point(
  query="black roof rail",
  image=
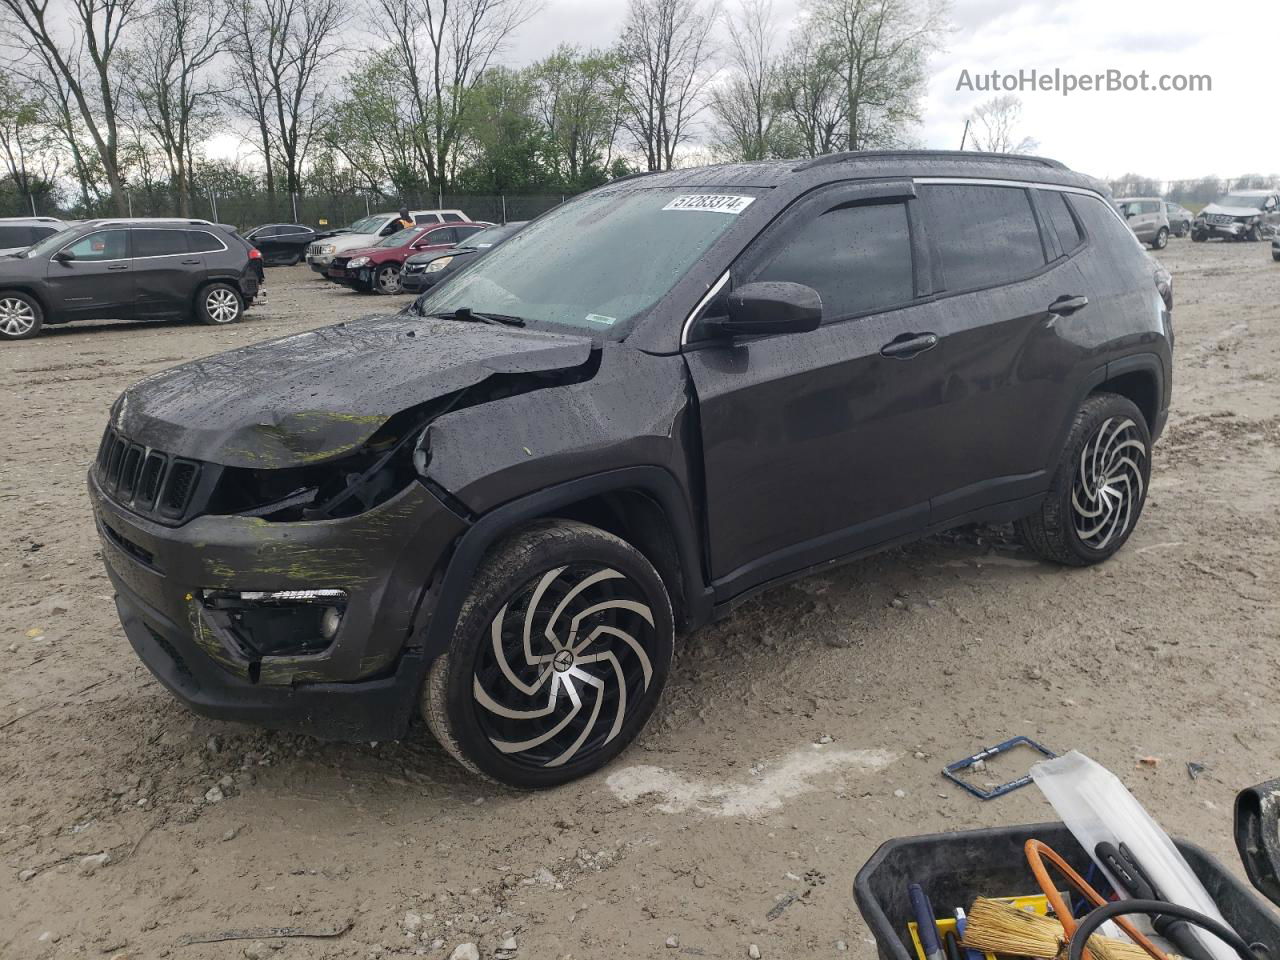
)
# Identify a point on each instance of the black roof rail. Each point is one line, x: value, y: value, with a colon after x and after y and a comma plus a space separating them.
x: 926, y: 155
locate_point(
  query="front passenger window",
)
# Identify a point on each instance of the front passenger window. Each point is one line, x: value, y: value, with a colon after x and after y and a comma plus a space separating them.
x: 858, y: 258
x: 103, y: 245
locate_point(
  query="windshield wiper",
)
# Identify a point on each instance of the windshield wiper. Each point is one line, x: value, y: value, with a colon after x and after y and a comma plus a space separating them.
x: 466, y: 314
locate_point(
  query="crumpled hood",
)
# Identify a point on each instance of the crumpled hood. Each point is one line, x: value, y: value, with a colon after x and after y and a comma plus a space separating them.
x: 318, y: 395
x: 1232, y: 211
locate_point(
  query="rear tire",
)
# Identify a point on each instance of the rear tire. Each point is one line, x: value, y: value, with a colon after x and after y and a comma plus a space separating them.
x: 219, y: 304
x: 21, y: 316
x: 1162, y: 239
x: 525, y: 695
x: 1099, y: 486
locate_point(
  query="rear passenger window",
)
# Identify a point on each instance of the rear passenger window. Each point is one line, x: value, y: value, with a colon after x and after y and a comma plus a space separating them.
x: 857, y: 258
x: 452, y: 218
x: 1060, y: 219
x: 427, y: 218
x: 203, y: 242
x: 159, y: 243
x: 984, y: 235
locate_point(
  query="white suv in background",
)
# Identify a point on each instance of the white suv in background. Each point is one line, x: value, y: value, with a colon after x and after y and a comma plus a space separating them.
x: 369, y: 230
x: 1147, y: 219
x: 18, y: 233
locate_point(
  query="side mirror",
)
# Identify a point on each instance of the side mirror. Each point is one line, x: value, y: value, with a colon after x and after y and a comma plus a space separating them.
x: 769, y: 307
x: 1258, y: 836
x: 64, y: 256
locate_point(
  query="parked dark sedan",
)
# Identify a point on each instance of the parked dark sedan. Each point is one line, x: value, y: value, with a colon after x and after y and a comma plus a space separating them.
x: 422, y: 271
x: 284, y: 244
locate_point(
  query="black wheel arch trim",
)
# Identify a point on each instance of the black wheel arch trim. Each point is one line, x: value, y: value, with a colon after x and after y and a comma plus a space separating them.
x: 441, y: 614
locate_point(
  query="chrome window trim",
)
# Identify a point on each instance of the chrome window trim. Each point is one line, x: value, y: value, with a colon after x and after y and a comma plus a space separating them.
x: 71, y: 243
x: 706, y: 299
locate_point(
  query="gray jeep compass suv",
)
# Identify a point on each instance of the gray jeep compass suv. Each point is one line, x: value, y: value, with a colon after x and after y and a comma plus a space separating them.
x: 499, y: 510
x: 129, y: 270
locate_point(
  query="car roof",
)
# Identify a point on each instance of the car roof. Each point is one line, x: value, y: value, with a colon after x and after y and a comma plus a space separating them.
x: 866, y: 164
x: 148, y: 221
x: 25, y: 220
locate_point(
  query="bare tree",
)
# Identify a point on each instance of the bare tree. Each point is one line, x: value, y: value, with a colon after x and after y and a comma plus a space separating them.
x: 881, y: 48
x: 170, y: 82
x: 745, y: 104
x: 810, y: 94
x: 665, y: 50
x: 442, y: 48
x: 76, y: 63
x: 25, y: 139
x: 993, y: 126
x: 279, y: 50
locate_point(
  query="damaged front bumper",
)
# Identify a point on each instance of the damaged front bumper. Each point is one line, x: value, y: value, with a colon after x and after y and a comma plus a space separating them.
x: 361, y: 684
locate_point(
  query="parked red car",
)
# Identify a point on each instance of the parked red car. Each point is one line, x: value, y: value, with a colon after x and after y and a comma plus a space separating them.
x: 377, y: 268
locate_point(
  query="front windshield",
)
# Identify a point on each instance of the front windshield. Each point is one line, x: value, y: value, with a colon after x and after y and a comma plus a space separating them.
x: 1241, y: 200
x: 49, y: 244
x: 367, y: 225
x: 399, y: 238
x: 596, y: 262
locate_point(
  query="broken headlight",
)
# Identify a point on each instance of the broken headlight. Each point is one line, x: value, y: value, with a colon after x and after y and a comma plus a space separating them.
x: 276, y: 623
x: 350, y: 485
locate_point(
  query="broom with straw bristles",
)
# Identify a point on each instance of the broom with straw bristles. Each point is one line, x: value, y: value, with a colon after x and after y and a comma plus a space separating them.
x: 996, y: 927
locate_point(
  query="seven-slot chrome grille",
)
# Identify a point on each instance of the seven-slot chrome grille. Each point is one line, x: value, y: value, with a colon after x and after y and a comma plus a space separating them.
x: 145, y: 481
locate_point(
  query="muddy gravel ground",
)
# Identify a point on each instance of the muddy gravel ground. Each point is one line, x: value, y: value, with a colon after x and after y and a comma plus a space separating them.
x: 794, y: 738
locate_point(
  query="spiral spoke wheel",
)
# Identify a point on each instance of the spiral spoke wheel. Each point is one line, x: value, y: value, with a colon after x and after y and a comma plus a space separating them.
x: 566, y: 658
x: 1108, y: 486
x: 222, y: 305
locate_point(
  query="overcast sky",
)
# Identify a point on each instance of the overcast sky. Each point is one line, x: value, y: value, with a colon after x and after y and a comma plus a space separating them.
x: 1232, y: 130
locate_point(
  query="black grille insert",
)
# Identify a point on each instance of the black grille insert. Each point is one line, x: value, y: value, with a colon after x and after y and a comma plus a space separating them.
x: 146, y: 481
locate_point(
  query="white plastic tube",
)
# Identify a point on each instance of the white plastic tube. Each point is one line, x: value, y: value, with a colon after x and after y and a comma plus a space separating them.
x: 1097, y: 808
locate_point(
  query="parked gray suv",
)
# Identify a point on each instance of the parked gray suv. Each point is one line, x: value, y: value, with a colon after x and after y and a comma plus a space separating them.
x: 1147, y: 219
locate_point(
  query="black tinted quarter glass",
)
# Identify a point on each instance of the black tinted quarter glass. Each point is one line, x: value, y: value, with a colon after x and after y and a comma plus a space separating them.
x: 984, y: 235
x: 858, y: 258
x: 1064, y: 225
x: 201, y: 241
x: 159, y: 243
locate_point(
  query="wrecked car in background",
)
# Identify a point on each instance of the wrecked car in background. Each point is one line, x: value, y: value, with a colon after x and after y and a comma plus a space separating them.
x: 1240, y: 215
x: 498, y: 509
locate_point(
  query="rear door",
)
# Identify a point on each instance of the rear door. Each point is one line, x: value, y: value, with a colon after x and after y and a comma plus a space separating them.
x: 166, y: 272
x: 96, y: 282
x: 441, y: 238
x: 1001, y: 394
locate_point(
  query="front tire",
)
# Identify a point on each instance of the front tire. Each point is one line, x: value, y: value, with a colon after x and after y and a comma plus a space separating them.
x: 20, y: 315
x: 387, y: 279
x: 1099, y: 487
x: 219, y: 304
x: 1199, y: 236
x: 558, y: 657
x: 1162, y: 239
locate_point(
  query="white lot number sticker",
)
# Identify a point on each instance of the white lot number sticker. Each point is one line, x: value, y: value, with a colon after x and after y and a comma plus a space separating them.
x: 710, y: 202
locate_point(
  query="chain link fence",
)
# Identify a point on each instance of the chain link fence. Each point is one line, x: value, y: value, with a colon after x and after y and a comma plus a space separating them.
x: 245, y: 210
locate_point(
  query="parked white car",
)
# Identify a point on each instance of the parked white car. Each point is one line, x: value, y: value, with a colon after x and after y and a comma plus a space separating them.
x: 369, y: 230
x: 18, y: 233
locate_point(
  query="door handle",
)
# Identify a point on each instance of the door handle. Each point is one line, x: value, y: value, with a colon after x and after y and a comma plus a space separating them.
x: 907, y: 345
x: 191, y: 262
x: 119, y: 266
x: 1065, y: 306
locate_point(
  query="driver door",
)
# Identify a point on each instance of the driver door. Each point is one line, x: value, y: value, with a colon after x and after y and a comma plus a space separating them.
x: 92, y: 278
x: 812, y: 442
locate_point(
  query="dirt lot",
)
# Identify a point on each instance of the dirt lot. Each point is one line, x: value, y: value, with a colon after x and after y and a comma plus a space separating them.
x: 732, y: 802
